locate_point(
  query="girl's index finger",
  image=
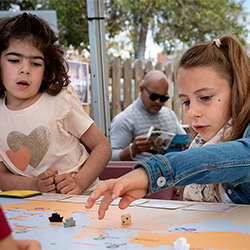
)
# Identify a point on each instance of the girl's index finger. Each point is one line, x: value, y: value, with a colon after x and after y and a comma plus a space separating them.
x: 95, y: 195
x: 103, y: 189
x: 91, y: 200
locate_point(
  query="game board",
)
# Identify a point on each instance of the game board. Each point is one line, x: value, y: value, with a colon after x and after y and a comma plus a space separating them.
x: 150, y: 228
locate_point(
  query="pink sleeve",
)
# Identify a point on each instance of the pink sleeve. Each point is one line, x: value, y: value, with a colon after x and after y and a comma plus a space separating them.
x: 4, y: 226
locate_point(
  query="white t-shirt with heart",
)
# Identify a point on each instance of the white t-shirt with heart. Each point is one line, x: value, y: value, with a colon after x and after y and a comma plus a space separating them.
x: 44, y: 135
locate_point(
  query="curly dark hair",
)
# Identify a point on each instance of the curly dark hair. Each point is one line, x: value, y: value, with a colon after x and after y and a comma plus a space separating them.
x: 38, y: 31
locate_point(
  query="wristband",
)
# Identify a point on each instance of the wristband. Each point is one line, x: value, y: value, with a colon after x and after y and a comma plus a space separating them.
x: 130, y: 151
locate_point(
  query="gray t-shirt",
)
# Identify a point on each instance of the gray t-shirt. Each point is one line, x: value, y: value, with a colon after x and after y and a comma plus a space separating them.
x: 135, y: 121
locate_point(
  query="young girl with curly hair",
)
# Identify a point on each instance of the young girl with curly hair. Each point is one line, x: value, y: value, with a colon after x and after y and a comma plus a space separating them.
x: 47, y: 141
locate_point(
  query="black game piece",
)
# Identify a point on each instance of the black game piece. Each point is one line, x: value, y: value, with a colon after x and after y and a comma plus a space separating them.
x: 55, y: 218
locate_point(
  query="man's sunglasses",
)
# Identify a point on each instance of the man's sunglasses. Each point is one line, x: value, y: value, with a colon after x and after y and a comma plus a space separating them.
x: 154, y: 96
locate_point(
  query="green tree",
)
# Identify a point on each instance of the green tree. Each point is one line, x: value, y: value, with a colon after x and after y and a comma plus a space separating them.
x: 72, y: 21
x: 134, y: 17
x: 171, y: 22
x: 71, y: 18
x: 24, y: 4
x: 174, y: 21
x: 200, y: 20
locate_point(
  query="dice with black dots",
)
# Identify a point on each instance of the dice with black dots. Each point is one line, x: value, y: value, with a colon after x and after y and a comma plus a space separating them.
x: 126, y: 219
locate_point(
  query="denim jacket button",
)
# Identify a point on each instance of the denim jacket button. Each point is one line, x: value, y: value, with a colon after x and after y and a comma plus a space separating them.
x: 161, y: 181
x: 229, y: 191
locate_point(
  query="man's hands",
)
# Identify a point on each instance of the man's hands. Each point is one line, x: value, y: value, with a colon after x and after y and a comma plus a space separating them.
x: 50, y: 182
x: 141, y: 144
x: 131, y: 187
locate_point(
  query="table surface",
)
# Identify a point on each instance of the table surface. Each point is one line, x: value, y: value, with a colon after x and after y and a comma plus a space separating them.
x: 156, y: 224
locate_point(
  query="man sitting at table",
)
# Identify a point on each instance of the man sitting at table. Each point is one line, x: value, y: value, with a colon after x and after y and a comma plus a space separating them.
x: 130, y: 127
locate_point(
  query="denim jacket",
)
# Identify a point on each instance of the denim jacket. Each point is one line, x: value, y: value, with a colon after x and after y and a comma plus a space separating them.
x: 226, y: 162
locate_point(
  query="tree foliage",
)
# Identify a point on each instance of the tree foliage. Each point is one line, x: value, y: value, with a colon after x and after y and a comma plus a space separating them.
x: 171, y: 22
x: 72, y: 21
x: 204, y: 20
x: 71, y: 18
x: 23, y: 4
x: 175, y: 21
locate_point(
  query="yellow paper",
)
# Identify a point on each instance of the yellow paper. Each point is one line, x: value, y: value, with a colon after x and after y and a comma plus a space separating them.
x: 19, y: 193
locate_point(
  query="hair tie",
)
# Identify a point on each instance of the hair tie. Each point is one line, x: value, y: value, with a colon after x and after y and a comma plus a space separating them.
x: 217, y: 42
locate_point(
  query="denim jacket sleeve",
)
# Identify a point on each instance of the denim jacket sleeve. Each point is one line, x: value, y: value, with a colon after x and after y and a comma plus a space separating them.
x: 227, y: 162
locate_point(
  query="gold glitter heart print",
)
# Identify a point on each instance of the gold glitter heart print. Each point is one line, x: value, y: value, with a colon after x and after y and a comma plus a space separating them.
x: 38, y: 142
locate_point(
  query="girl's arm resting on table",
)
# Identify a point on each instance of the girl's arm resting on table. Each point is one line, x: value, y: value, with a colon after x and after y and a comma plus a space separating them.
x: 10, y: 181
x: 44, y: 182
x: 131, y: 186
x: 99, y: 157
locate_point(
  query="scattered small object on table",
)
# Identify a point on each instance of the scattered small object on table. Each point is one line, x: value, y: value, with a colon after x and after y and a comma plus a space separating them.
x: 69, y: 222
x: 55, y: 218
x: 126, y: 219
x: 181, y: 244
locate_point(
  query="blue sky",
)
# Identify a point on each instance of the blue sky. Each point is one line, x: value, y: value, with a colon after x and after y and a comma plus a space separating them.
x: 246, y: 5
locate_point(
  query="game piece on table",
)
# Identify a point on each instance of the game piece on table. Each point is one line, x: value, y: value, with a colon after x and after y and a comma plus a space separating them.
x: 126, y: 219
x: 69, y: 222
x: 55, y: 218
x: 181, y: 244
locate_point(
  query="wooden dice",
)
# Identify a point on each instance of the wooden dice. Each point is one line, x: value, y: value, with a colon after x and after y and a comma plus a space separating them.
x: 126, y: 219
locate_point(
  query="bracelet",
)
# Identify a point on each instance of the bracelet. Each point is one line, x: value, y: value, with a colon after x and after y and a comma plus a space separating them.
x: 130, y: 151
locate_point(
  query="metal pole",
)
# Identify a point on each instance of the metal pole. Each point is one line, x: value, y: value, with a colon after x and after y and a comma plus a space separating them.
x: 99, y: 68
